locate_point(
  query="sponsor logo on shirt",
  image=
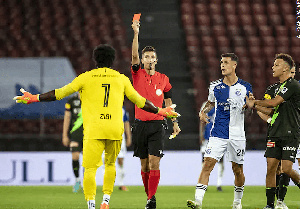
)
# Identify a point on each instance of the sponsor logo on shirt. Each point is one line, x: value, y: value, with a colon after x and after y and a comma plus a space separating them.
x: 289, y: 148
x: 270, y: 144
x: 267, y: 96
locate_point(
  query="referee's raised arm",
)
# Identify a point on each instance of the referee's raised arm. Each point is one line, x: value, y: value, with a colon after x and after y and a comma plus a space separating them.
x: 135, y: 60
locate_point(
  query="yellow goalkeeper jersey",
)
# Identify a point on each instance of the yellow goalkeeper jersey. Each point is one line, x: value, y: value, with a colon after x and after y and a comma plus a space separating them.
x: 102, y: 93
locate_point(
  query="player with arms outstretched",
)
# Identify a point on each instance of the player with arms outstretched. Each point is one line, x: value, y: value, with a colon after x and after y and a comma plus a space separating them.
x: 102, y: 93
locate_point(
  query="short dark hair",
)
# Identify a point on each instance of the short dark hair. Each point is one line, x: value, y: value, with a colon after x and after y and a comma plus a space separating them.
x: 232, y: 56
x: 149, y: 49
x: 104, y: 55
x: 287, y: 58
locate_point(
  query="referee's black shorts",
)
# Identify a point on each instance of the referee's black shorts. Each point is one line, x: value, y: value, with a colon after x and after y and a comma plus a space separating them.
x: 148, y: 138
x: 283, y: 148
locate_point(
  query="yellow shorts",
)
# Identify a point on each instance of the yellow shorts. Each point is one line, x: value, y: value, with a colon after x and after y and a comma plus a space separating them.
x: 93, y: 149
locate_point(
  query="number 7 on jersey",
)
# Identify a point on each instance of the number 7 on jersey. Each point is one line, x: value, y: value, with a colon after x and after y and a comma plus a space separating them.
x: 106, y: 96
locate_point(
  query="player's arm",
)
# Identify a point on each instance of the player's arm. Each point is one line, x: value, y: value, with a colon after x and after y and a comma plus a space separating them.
x: 201, y: 132
x: 66, y: 125
x: 264, y: 110
x: 135, y: 60
x: 203, y: 113
x: 264, y: 117
x: 53, y: 95
x: 145, y: 104
x: 168, y: 103
x: 265, y: 103
x: 127, y: 131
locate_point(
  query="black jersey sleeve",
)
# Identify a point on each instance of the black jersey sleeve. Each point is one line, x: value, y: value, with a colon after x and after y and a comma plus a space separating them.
x: 168, y: 94
x: 288, y: 90
x: 136, y: 67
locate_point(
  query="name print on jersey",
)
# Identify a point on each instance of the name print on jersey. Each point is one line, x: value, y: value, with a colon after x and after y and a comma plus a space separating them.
x: 105, y: 116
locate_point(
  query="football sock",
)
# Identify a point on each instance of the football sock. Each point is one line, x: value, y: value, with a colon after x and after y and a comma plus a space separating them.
x: 109, y: 178
x: 75, y: 164
x: 283, y: 185
x: 89, y: 183
x: 121, y: 175
x: 91, y: 204
x: 277, y: 185
x: 220, y: 174
x: 200, y: 191
x: 153, y: 181
x: 106, y: 198
x: 270, y: 193
x: 238, y: 194
x: 145, y: 178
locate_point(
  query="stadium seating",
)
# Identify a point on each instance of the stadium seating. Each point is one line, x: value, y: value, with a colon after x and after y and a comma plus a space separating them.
x: 70, y: 28
x: 254, y: 30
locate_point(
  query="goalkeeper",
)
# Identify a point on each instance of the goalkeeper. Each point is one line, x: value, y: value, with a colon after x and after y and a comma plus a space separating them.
x: 102, y: 93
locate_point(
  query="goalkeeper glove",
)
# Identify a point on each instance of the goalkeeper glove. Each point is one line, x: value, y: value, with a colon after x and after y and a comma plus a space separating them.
x: 168, y: 112
x: 27, y: 97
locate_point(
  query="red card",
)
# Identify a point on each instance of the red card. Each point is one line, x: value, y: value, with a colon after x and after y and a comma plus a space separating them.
x: 136, y: 17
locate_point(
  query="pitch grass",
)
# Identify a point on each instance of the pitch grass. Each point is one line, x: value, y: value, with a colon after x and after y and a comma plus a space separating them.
x: 168, y: 197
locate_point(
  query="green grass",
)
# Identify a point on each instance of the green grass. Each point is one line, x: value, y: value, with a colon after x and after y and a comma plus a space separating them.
x: 168, y: 197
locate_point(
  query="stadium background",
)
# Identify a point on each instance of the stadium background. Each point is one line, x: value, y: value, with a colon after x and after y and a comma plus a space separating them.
x: 189, y: 35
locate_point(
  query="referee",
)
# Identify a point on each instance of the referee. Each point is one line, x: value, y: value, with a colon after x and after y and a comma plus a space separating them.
x: 149, y: 129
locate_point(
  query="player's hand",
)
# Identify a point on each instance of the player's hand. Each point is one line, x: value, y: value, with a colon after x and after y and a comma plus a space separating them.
x: 27, y: 97
x: 251, y: 97
x: 136, y: 26
x: 203, y: 117
x: 176, y: 131
x: 66, y: 141
x: 249, y: 102
x: 168, y: 112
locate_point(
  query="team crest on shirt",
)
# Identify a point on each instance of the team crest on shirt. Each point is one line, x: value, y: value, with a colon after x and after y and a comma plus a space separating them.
x: 283, y: 90
x: 158, y: 92
x: 238, y: 92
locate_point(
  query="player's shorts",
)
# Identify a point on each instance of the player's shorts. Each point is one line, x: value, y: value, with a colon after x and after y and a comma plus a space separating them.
x: 93, y: 149
x: 298, y: 152
x: 283, y: 148
x: 148, y: 138
x: 77, y: 136
x: 217, y: 147
x: 203, y: 146
x: 123, y: 150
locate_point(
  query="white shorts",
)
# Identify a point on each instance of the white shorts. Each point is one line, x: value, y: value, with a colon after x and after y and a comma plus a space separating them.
x: 203, y: 146
x: 298, y: 152
x: 123, y: 150
x: 217, y: 147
